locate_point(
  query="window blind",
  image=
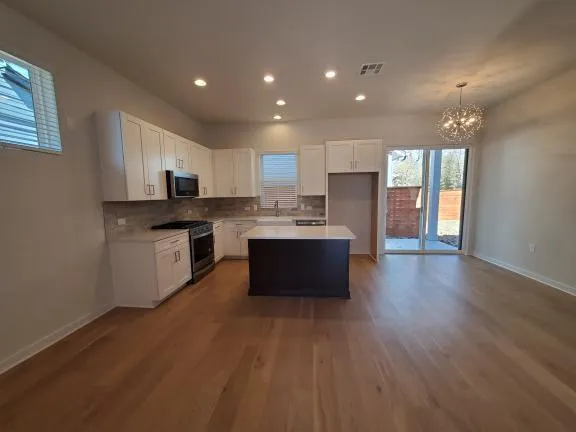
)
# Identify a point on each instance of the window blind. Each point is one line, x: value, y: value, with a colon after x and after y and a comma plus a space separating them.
x: 28, y: 111
x: 278, y: 180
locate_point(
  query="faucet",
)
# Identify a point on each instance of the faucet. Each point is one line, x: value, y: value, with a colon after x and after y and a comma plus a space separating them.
x: 277, y: 209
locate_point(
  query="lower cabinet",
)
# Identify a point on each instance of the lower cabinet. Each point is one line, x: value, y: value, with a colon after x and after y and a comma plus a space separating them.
x: 146, y: 272
x: 218, y: 241
x: 234, y: 246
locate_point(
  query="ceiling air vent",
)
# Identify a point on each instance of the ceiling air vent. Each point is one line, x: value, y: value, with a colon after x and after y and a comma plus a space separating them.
x: 371, y: 68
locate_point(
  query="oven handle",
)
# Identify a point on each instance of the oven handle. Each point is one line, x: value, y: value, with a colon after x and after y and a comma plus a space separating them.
x: 202, y: 235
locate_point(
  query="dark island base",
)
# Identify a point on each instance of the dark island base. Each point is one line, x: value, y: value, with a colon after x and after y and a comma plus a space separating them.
x: 299, y: 268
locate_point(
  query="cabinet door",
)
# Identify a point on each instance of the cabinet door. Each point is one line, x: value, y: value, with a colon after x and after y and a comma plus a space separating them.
x: 218, y: 243
x: 134, y: 160
x: 207, y: 172
x: 182, y: 265
x: 165, y: 261
x: 170, y: 162
x: 312, y: 170
x: 340, y: 156
x: 154, y: 162
x: 367, y: 155
x: 202, y: 165
x: 183, y: 155
x: 242, y: 228
x: 244, y: 167
x: 231, y: 240
x: 224, y: 173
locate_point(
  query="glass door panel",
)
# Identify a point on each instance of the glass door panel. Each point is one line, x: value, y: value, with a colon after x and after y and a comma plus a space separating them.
x: 404, y: 200
x: 446, y: 188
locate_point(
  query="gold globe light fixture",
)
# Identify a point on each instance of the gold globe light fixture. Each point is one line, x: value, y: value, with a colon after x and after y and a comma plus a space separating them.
x: 460, y: 123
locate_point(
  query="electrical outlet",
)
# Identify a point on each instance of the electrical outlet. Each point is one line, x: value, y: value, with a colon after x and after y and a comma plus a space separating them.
x: 532, y: 247
x: 188, y: 211
x: 254, y: 207
x: 121, y: 221
x: 247, y: 208
x: 302, y: 206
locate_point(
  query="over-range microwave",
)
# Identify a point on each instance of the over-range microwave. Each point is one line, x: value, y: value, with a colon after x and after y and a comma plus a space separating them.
x: 182, y: 184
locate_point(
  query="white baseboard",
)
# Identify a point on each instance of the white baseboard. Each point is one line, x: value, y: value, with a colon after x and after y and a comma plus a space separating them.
x: 43, y: 343
x: 527, y: 273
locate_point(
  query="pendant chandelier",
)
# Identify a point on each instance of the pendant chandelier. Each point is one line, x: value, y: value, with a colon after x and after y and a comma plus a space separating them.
x: 460, y: 123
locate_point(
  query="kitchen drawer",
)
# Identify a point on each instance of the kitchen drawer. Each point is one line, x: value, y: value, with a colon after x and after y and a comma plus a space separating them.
x: 171, y: 242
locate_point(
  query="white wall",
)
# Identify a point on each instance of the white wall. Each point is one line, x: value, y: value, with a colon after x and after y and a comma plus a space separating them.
x: 53, y: 264
x: 527, y: 183
x: 402, y: 130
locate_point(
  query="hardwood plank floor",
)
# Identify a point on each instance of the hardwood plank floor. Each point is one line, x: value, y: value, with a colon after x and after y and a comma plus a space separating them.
x: 427, y: 343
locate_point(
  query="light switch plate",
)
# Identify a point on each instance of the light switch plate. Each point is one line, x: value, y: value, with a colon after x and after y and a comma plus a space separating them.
x: 121, y: 221
x: 254, y: 207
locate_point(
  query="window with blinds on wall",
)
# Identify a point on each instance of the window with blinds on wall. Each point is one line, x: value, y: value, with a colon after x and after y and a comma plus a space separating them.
x: 28, y: 112
x: 278, y: 180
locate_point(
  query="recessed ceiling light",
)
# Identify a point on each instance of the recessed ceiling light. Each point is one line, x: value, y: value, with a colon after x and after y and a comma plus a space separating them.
x: 268, y: 78
x: 199, y: 82
x: 330, y: 74
x: 277, y: 117
x: 360, y: 97
x: 280, y: 102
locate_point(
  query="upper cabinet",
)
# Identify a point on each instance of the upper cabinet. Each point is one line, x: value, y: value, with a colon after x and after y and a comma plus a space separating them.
x: 201, y: 163
x: 312, y: 170
x: 353, y: 156
x: 235, y: 173
x: 132, y: 158
x: 177, y: 152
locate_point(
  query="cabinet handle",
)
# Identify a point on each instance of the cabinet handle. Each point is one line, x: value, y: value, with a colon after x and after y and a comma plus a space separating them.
x: 356, y: 164
x: 235, y: 190
x: 179, y: 257
x: 351, y: 167
x: 302, y: 188
x: 153, y: 189
x: 175, y: 256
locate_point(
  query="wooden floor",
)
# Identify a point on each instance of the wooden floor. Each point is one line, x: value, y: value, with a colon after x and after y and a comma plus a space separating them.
x: 427, y: 343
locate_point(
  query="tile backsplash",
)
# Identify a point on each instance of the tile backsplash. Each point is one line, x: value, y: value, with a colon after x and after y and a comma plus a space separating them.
x: 140, y: 215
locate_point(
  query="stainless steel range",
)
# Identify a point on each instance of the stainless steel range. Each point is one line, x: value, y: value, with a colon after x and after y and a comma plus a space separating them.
x: 201, y: 244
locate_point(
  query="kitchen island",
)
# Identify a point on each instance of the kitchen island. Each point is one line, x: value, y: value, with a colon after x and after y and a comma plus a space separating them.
x: 301, y: 261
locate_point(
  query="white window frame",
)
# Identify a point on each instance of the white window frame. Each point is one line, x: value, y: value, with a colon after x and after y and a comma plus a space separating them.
x: 295, y: 151
x: 38, y: 112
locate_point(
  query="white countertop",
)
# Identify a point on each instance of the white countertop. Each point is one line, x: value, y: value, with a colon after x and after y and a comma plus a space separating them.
x: 255, y: 218
x: 330, y: 232
x: 149, y: 235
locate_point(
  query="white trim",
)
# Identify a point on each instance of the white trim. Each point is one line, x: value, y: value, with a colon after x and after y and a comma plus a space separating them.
x: 50, y: 339
x: 527, y: 273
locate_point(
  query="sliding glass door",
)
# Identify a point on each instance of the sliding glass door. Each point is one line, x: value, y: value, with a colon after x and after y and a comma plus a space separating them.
x: 425, y: 200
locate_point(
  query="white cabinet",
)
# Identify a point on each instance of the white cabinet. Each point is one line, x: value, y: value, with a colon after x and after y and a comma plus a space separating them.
x: 131, y: 158
x: 312, y: 170
x: 218, y: 241
x: 234, y: 246
x: 353, y: 156
x: 176, y: 152
x: 234, y: 173
x: 146, y: 272
x: 201, y: 162
x: 367, y: 155
x: 244, y: 172
x: 340, y: 156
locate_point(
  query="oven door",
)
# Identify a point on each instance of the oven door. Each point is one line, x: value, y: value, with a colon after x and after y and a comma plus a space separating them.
x: 182, y: 185
x: 202, y: 251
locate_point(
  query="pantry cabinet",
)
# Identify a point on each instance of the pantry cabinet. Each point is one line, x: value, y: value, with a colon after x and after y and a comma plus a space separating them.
x: 353, y: 156
x: 312, y: 170
x: 234, y: 173
x: 131, y: 158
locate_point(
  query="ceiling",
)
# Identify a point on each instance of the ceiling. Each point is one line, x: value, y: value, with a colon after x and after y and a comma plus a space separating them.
x: 500, y: 47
